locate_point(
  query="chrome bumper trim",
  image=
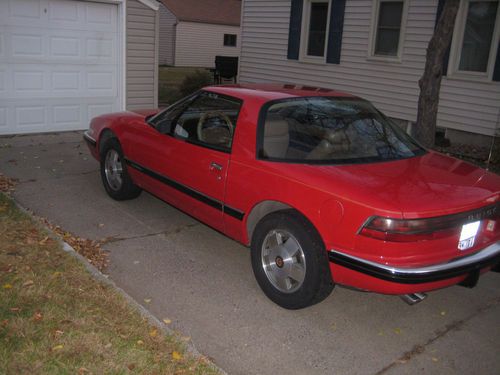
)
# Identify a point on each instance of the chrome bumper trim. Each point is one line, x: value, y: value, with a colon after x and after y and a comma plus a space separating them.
x: 489, y: 256
x: 89, y: 138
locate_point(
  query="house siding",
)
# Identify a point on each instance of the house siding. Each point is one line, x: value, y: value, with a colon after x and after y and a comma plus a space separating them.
x: 141, y: 56
x: 167, y: 36
x: 197, y: 44
x: 392, y: 86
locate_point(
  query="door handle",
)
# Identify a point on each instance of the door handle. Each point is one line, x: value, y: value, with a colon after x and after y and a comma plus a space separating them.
x: 215, y: 167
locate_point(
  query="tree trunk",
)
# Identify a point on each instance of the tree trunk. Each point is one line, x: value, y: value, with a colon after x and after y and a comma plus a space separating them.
x: 430, y: 83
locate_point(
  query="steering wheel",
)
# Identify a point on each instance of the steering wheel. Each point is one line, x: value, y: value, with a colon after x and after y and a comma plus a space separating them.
x: 208, y: 115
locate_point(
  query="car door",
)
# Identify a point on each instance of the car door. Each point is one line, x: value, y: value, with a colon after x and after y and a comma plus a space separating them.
x: 184, y: 159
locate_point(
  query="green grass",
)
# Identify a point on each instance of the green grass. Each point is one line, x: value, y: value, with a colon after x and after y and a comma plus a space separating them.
x: 56, y: 319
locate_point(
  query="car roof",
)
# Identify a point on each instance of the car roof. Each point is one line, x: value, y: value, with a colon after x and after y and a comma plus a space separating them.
x: 273, y: 91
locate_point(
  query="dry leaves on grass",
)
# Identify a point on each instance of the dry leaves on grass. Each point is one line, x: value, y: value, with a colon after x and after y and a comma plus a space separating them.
x: 7, y: 184
x: 89, y: 249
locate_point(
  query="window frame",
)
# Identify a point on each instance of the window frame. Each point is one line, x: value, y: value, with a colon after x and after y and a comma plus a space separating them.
x: 230, y: 37
x: 304, y: 34
x: 188, y: 103
x: 374, y: 30
x: 261, y: 121
x: 457, y: 42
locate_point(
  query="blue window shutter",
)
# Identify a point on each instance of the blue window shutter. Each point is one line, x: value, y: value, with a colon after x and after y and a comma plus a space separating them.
x: 446, y: 58
x: 496, y: 71
x: 295, y: 29
x: 335, y: 32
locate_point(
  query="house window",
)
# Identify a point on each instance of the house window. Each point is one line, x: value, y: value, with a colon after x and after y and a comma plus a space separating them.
x: 476, y: 36
x: 316, y: 28
x: 318, y: 22
x: 230, y: 40
x: 389, y: 23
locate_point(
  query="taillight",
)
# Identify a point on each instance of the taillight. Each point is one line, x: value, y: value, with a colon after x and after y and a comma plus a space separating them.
x: 398, y: 230
x: 410, y: 230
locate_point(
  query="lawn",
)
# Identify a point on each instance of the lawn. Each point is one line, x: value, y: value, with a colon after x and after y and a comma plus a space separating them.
x: 55, y: 318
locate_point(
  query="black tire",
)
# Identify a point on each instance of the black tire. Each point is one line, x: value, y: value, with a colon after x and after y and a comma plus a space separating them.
x: 310, y: 257
x: 117, y: 182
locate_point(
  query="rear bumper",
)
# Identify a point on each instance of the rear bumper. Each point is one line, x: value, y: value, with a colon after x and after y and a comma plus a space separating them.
x: 489, y: 256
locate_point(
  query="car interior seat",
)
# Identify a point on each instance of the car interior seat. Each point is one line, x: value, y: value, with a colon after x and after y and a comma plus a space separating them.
x: 276, y: 137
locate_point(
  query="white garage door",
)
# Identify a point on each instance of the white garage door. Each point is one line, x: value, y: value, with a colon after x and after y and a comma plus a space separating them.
x: 59, y: 64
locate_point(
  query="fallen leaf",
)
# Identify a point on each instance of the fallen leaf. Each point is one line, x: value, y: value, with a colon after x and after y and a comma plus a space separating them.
x: 58, y: 332
x: 57, y: 273
x: 7, y: 286
x: 140, y: 342
x: 131, y: 366
x: 397, y: 331
x: 108, y: 345
x: 153, y: 333
x: 147, y: 300
x: 42, y: 242
x: 28, y: 283
x: 57, y: 347
x: 167, y: 321
x: 434, y: 359
x: 83, y: 370
x: 176, y: 356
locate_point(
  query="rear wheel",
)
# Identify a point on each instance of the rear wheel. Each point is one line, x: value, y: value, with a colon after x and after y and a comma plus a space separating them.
x: 114, y: 175
x: 289, y: 260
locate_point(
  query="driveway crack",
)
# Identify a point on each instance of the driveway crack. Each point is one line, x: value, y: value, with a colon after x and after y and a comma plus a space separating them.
x: 166, y: 233
x: 420, y: 348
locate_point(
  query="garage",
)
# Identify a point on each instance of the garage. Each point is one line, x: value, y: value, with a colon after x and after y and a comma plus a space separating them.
x: 62, y: 62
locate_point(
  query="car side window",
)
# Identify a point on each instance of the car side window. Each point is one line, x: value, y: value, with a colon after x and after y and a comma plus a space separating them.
x: 209, y: 121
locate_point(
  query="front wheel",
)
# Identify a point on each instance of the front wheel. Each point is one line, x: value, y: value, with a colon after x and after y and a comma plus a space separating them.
x: 289, y: 261
x: 114, y: 175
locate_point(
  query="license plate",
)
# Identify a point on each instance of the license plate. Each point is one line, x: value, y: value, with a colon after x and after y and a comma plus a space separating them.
x: 468, y: 235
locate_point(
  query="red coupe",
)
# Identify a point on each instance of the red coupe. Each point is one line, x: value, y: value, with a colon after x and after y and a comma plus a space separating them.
x: 322, y: 186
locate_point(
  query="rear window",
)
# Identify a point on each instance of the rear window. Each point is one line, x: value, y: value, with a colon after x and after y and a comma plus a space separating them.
x: 330, y: 130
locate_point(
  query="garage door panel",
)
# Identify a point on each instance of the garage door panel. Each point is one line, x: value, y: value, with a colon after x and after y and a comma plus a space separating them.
x: 26, y: 45
x: 3, y: 118
x: 31, y: 9
x: 59, y: 64
x: 64, y: 11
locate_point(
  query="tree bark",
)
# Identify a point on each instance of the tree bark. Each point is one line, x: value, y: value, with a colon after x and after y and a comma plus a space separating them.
x: 430, y: 83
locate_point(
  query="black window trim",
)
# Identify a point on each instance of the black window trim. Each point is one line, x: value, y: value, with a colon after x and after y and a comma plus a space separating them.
x: 259, y: 151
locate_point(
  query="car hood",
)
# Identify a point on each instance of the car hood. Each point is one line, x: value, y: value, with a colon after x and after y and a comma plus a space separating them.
x: 429, y: 185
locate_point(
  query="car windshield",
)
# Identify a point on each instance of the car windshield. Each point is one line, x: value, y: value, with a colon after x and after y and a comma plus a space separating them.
x: 331, y: 130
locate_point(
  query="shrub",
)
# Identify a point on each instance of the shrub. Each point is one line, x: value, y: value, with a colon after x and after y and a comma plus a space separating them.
x: 195, y: 81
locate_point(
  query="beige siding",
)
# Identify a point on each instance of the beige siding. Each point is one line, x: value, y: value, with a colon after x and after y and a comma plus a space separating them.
x: 142, y: 56
x: 391, y: 86
x: 167, y: 36
x: 197, y: 44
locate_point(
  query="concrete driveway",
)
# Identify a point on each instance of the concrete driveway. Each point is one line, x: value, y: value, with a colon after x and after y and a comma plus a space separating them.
x: 203, y: 282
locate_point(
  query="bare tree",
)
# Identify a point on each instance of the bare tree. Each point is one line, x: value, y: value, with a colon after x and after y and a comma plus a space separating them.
x: 430, y: 83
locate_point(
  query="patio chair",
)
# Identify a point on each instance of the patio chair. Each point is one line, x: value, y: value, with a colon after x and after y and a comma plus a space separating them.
x: 226, y: 69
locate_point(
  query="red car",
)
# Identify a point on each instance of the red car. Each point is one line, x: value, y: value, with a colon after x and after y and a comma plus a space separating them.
x: 321, y: 185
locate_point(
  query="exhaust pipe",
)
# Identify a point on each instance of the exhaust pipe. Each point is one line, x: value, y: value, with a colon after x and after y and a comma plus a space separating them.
x: 413, y: 298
